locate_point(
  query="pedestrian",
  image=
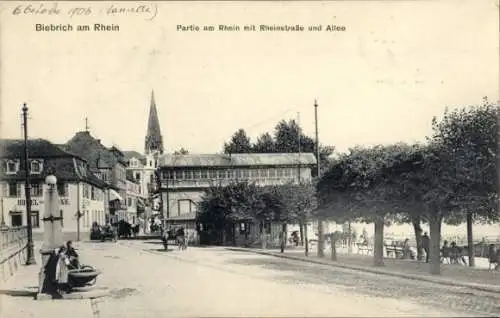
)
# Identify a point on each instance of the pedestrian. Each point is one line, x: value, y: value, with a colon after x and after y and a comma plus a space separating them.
x: 425, y: 246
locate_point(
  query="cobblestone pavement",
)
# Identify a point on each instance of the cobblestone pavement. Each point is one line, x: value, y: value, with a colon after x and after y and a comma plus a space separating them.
x: 144, y: 281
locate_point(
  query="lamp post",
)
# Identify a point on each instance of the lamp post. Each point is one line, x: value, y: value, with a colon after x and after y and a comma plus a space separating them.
x: 30, y: 257
x: 2, y: 222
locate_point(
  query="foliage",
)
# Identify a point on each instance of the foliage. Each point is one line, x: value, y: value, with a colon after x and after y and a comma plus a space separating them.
x: 285, y: 139
x: 239, y: 143
x: 181, y: 151
x: 244, y: 201
x: 468, y: 138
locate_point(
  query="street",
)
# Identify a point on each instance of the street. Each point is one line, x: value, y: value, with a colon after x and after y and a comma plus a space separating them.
x: 145, y: 281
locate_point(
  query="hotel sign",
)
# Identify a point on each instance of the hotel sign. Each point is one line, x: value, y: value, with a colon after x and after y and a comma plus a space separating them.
x: 62, y: 201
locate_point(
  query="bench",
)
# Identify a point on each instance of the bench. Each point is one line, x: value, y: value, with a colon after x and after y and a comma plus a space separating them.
x: 393, y: 251
x: 365, y: 249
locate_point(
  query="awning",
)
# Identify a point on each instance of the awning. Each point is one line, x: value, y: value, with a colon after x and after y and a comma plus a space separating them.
x: 141, y: 203
x: 113, y: 195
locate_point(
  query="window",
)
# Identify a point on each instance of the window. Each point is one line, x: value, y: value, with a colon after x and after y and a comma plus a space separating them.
x: 62, y: 189
x: 239, y: 173
x: 272, y: 173
x: 150, y: 163
x: 246, y: 173
x: 36, y: 167
x: 280, y: 172
x: 12, y: 166
x: 254, y: 173
x: 92, y: 193
x: 137, y: 176
x: 14, y: 190
x: 222, y: 174
x: 178, y: 175
x: 264, y: 173
x: 86, y: 191
x: 188, y: 175
x: 35, y: 219
x: 196, y: 174
x: 129, y: 202
x: 203, y: 174
x: 16, y: 219
x: 37, y: 189
x: 184, y: 207
x: 212, y: 174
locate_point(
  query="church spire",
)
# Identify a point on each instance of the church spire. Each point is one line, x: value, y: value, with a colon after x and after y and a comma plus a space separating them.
x: 154, y: 139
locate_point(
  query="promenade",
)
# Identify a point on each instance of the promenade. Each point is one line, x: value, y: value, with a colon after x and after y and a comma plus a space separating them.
x: 142, y: 280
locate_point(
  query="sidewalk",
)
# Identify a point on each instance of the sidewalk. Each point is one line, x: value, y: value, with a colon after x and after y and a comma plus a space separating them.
x: 453, y: 275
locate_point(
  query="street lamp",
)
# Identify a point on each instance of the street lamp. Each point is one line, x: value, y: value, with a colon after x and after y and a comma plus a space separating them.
x: 2, y: 222
x: 30, y: 257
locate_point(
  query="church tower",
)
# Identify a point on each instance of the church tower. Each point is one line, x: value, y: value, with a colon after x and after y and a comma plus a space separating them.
x: 154, y: 139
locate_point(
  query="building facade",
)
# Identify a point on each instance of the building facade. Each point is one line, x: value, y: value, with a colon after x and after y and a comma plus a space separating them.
x: 80, y: 191
x: 184, y: 178
x: 141, y: 168
x: 108, y: 164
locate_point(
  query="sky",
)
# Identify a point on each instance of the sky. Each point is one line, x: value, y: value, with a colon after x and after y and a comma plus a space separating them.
x: 398, y: 64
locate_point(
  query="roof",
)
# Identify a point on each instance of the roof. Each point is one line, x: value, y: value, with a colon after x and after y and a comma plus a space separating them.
x: 247, y: 159
x: 37, y: 148
x: 96, y: 154
x: 62, y: 163
x: 132, y: 154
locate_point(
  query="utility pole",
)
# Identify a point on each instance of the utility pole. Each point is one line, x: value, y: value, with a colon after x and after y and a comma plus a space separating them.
x: 321, y: 252
x: 303, y: 223
x: 86, y: 124
x: 30, y: 257
x: 299, y: 143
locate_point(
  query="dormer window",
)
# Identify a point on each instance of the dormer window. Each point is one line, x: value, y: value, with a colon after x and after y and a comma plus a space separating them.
x: 12, y: 166
x: 36, y: 167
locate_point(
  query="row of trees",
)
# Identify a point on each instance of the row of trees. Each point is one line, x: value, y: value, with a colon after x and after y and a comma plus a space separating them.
x: 288, y: 137
x: 451, y: 178
x: 223, y: 206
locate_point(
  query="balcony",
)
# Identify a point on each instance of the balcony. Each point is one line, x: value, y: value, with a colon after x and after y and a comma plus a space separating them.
x: 177, y: 184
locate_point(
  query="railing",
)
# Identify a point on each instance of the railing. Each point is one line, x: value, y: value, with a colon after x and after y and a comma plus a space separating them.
x: 13, y: 242
x: 13, y: 236
x: 211, y: 182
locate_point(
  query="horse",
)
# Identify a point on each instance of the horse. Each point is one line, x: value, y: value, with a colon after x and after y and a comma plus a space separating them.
x: 124, y: 229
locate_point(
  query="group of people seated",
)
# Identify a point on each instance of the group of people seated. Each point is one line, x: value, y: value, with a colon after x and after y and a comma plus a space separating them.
x: 452, y: 253
x: 64, y: 259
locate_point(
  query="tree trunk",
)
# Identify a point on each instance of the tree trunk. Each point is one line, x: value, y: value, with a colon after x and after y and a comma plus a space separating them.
x: 233, y: 233
x: 306, y: 240
x: 321, y: 241
x: 417, y: 228
x: 301, y: 231
x: 333, y: 243
x: 262, y: 235
x: 349, y: 241
x: 283, y: 237
x: 378, y: 248
x: 435, y: 242
x: 470, y: 243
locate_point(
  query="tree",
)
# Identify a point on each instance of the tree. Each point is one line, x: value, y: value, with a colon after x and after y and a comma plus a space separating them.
x: 361, y: 186
x: 286, y: 136
x: 181, y: 151
x: 468, y: 136
x: 239, y: 143
x: 264, y: 144
x: 299, y: 201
